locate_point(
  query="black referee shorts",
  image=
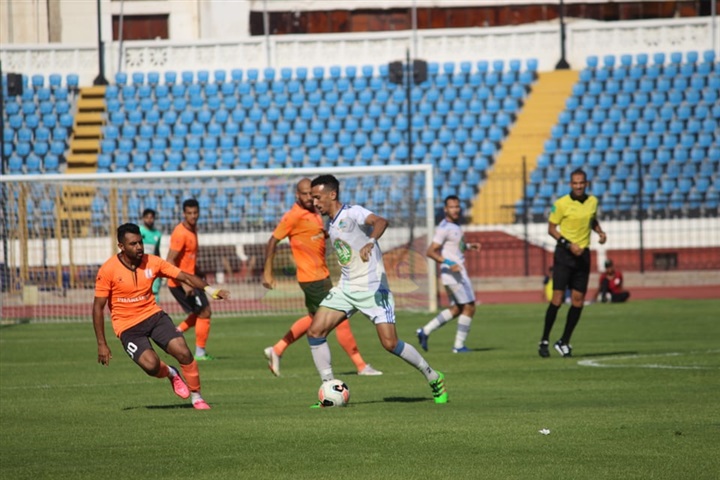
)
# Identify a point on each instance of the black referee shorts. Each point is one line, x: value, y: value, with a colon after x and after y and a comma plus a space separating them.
x: 570, y: 271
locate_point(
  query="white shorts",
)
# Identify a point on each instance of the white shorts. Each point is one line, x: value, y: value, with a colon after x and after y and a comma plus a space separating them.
x: 461, y: 293
x: 378, y: 306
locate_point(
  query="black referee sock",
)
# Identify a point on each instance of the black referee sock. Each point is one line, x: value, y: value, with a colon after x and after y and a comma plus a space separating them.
x: 573, y: 317
x: 550, y: 316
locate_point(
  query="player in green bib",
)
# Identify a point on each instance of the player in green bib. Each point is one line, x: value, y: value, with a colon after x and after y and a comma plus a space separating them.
x: 151, y: 240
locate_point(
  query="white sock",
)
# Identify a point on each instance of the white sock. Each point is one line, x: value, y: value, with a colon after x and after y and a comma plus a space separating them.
x: 195, y: 396
x: 463, y: 329
x: 320, y: 351
x: 441, y: 319
x: 410, y: 354
x: 199, y: 351
x: 172, y: 371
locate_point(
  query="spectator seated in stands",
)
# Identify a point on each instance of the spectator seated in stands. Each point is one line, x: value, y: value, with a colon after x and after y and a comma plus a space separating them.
x: 611, y: 285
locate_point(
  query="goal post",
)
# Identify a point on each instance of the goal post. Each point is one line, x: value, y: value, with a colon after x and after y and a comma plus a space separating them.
x: 58, y: 229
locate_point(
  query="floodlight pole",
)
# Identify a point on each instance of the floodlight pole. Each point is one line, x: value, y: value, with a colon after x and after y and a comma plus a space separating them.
x: 408, y: 87
x: 100, y: 79
x: 562, y: 64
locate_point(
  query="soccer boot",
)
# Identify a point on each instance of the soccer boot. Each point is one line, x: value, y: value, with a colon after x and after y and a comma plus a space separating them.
x: 273, y: 361
x: 439, y: 391
x: 544, y: 349
x: 564, y: 349
x: 462, y: 349
x: 422, y: 339
x: 369, y: 371
x: 178, y: 384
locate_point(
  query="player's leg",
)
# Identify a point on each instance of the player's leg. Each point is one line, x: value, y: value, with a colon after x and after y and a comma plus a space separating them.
x: 381, y: 310
x: 314, y: 293
x: 439, y: 321
x: 578, y: 284
x: 136, y: 342
x: 561, y: 278
x: 464, y: 296
x: 187, y: 303
x: 202, y: 327
x: 347, y: 341
x: 173, y: 342
x: 324, y: 321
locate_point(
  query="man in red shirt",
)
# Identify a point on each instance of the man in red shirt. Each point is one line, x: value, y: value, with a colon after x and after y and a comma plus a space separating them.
x: 611, y: 285
x: 124, y: 284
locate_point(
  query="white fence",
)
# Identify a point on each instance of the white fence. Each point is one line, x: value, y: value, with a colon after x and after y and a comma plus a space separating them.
x: 541, y: 41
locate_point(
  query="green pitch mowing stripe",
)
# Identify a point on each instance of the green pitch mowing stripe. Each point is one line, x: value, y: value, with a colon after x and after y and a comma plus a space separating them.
x: 639, y: 400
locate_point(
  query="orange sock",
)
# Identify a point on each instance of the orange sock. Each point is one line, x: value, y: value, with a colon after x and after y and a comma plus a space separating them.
x: 188, y: 323
x: 298, y: 329
x: 192, y: 375
x: 347, y: 342
x: 164, y: 370
x: 202, y: 331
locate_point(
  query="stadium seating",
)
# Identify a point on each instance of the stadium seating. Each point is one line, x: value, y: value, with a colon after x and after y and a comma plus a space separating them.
x: 321, y: 116
x: 38, y: 123
x: 654, y: 125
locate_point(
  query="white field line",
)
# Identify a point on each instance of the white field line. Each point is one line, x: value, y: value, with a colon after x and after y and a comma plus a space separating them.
x: 600, y: 363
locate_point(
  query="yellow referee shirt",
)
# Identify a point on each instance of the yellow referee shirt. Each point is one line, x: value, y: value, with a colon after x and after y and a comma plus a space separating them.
x: 575, y: 218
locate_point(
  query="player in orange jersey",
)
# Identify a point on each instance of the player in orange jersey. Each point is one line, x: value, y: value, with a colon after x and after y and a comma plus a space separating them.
x: 183, y: 253
x: 124, y: 283
x: 303, y: 225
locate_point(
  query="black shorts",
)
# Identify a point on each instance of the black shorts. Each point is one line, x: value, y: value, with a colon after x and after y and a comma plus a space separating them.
x: 193, y: 303
x: 159, y: 327
x: 315, y: 292
x: 570, y: 271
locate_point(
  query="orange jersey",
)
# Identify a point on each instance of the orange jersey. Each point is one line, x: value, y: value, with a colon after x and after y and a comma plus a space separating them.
x: 307, y: 242
x: 185, y: 242
x: 129, y: 292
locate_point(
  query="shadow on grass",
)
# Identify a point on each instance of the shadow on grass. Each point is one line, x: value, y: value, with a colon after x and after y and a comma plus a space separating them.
x: 158, y: 407
x: 607, y: 354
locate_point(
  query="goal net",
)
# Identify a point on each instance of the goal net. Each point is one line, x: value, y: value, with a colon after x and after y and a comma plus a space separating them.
x: 58, y: 229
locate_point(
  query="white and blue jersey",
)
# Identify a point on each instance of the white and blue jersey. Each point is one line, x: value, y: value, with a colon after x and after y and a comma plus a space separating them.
x: 348, y: 235
x: 451, y: 239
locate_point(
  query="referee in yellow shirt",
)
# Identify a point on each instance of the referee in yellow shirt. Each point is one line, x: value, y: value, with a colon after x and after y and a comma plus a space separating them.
x: 571, y: 219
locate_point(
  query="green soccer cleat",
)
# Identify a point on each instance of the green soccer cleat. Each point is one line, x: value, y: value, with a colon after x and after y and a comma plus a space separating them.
x: 440, y: 394
x: 317, y: 405
x: 204, y: 358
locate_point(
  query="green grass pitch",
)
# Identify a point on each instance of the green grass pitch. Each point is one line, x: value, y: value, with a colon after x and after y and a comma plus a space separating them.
x: 640, y: 400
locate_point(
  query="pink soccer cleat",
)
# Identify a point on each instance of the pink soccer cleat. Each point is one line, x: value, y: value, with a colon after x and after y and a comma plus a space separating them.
x: 201, y: 405
x: 179, y: 386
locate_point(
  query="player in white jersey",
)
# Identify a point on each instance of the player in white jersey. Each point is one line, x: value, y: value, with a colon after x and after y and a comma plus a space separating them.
x: 448, y: 250
x: 363, y: 286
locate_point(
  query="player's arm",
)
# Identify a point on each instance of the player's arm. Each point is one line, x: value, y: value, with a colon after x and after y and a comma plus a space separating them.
x: 595, y: 225
x: 433, y: 252
x: 172, y: 259
x: 378, y: 224
x: 268, y: 279
x: 196, y: 282
x: 104, y: 354
x: 574, y: 248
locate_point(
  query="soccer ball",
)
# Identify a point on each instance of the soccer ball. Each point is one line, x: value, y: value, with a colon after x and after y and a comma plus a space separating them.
x: 334, y: 393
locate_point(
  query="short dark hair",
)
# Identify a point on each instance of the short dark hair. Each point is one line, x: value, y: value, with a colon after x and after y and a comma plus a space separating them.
x: 451, y: 197
x: 189, y: 203
x: 148, y: 211
x: 608, y: 263
x: 578, y: 171
x: 328, y: 181
x: 126, y: 228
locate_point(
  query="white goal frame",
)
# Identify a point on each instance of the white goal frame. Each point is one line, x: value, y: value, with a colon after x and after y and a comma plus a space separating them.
x: 59, y: 253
